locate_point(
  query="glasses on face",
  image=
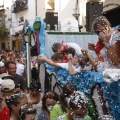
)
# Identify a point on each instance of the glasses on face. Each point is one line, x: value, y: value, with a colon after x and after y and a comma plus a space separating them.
x: 98, y: 31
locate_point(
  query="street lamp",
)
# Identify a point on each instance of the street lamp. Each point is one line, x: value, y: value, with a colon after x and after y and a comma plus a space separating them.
x: 76, y: 13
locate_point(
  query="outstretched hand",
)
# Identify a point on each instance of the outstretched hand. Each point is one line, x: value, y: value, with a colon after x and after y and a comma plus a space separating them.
x: 41, y: 58
x: 84, y: 51
x: 70, y: 57
x: 91, y: 46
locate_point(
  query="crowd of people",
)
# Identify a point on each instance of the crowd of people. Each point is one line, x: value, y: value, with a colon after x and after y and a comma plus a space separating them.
x: 77, y: 72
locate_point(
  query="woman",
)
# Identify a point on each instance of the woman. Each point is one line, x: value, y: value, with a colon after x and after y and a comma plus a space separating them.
x: 35, y: 96
x: 48, y: 100
x: 107, y: 46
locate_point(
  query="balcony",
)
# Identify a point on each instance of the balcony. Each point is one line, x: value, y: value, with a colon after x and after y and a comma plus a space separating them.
x: 19, y: 5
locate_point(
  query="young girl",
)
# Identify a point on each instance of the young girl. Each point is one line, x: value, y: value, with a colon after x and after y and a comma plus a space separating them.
x: 62, y: 47
x: 48, y: 101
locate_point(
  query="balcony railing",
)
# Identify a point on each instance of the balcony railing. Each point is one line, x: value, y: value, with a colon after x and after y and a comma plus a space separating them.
x: 19, y: 5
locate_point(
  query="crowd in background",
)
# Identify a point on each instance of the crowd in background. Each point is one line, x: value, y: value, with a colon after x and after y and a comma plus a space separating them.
x: 18, y: 102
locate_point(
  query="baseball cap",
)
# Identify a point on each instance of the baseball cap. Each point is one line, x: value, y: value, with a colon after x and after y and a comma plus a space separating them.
x: 7, y: 85
x: 2, y: 64
x: 4, y: 75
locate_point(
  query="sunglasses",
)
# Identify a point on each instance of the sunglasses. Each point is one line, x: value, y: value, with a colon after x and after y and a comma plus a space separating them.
x: 98, y: 31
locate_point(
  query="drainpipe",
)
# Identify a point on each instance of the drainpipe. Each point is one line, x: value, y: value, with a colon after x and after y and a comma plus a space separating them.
x: 77, y: 1
x: 35, y: 8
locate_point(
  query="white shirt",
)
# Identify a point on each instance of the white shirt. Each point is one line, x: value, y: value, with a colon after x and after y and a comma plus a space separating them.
x: 76, y: 47
x: 20, y: 69
x: 76, y: 68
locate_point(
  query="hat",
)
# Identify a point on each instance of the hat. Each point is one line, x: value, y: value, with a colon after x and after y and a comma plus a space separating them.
x: 7, y: 85
x: 4, y: 75
x: 0, y: 81
x: 2, y: 64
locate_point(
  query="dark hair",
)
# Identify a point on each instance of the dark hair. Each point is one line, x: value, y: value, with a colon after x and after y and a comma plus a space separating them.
x: 14, y: 100
x: 29, y: 110
x: 56, y: 46
x: 63, y: 103
x: 10, y: 62
x: 68, y: 89
x: 70, y: 50
x: 83, y: 60
x: 35, y: 84
x: 57, y: 56
x: 50, y: 95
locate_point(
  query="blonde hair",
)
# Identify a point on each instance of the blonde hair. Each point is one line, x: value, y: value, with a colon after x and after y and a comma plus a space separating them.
x: 101, y: 20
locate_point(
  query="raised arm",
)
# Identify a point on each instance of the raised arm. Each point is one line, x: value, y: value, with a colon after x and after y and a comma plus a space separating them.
x: 70, y: 67
x: 48, y: 61
x: 92, y: 60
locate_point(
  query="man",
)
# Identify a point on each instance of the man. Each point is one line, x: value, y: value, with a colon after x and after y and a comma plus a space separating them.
x: 7, y: 88
x: 2, y: 67
x: 18, y: 80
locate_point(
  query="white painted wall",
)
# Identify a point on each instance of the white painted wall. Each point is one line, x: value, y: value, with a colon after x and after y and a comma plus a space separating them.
x: 41, y: 9
x: 7, y: 3
x: 82, y: 18
x: 28, y: 14
x: 65, y: 9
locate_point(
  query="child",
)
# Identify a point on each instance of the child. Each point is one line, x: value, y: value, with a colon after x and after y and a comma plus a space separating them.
x: 57, y: 57
x: 61, y: 47
x: 78, y: 108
